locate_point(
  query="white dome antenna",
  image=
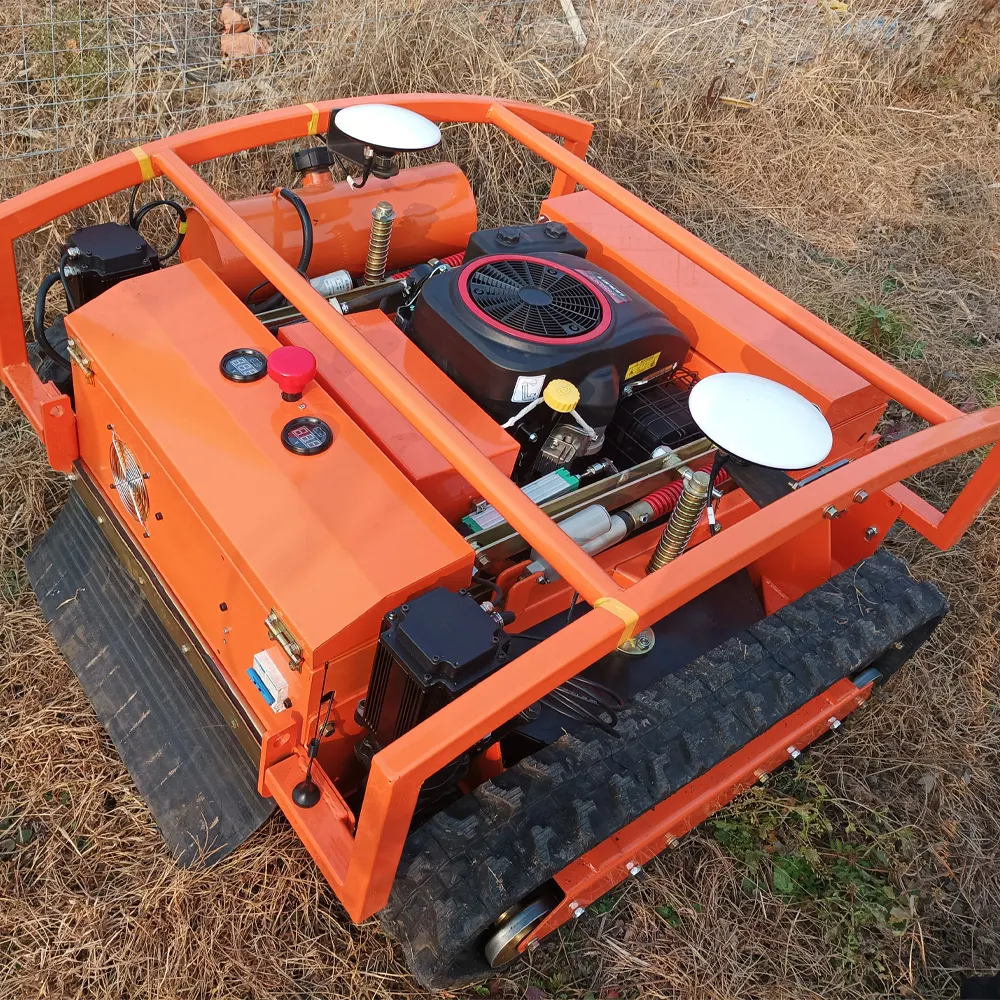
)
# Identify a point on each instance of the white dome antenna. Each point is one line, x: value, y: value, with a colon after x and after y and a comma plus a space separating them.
x: 372, y: 135
x: 760, y: 421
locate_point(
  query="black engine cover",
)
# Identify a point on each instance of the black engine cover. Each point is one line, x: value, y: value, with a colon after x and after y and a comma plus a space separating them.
x: 504, y: 324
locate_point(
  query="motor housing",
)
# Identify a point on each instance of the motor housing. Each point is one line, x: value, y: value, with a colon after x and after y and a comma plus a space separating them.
x: 502, y: 325
x: 430, y: 650
x: 100, y: 256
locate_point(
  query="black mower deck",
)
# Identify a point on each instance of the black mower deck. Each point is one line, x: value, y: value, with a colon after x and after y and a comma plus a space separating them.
x: 182, y: 752
x: 471, y: 862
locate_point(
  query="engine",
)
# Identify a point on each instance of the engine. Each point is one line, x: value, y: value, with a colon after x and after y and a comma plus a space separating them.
x: 504, y: 326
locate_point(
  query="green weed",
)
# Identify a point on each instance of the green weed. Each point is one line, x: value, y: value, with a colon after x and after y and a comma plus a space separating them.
x: 987, y: 387
x: 798, y: 843
x: 883, y: 330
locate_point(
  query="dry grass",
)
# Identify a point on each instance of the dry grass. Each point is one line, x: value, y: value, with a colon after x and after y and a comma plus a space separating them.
x: 865, y: 185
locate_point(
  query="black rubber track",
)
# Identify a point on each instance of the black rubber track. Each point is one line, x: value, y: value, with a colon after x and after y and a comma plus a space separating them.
x: 470, y: 862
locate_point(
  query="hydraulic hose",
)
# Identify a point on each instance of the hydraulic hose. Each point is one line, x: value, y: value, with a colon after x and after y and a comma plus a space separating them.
x: 304, y: 258
x: 38, y: 324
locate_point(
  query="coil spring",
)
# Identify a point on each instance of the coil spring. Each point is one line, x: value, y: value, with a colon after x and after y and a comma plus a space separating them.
x: 683, y: 520
x: 378, y: 242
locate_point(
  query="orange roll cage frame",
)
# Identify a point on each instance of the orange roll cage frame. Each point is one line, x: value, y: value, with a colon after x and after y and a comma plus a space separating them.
x: 361, y: 867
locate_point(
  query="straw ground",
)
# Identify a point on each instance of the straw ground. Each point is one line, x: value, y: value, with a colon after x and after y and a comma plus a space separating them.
x: 863, y: 182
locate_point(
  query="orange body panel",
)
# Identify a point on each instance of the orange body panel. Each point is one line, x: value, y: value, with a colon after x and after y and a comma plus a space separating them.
x: 330, y: 541
x: 421, y: 463
x: 725, y: 327
x: 435, y: 215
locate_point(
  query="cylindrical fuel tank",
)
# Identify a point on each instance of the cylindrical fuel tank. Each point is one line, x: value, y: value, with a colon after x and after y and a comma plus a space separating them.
x: 435, y: 215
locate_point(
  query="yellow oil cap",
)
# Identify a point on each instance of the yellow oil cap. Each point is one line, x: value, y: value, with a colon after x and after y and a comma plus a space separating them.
x: 561, y: 396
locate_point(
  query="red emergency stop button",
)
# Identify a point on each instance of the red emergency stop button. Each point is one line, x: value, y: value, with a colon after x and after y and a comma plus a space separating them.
x: 293, y: 368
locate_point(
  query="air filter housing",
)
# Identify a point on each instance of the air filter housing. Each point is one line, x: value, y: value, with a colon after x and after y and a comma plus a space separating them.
x: 502, y: 325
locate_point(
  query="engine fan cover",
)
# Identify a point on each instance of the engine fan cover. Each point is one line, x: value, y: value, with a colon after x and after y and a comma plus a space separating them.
x: 503, y: 325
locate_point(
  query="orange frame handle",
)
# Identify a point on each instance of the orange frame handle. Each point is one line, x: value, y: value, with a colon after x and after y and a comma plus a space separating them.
x: 364, y: 871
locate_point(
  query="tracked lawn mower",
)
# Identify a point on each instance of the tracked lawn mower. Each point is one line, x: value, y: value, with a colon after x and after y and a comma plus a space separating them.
x: 496, y: 559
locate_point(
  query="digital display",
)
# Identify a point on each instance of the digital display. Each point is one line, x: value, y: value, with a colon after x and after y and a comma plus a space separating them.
x: 243, y: 365
x: 307, y: 435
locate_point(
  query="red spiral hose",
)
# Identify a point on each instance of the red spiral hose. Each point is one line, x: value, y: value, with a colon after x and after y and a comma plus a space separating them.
x: 452, y: 260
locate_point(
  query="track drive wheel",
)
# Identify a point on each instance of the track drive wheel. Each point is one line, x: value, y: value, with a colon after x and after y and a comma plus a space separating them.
x: 514, y: 925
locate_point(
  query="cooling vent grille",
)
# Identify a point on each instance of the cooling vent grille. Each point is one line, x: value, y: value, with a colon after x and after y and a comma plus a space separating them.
x: 535, y: 298
x: 129, y: 480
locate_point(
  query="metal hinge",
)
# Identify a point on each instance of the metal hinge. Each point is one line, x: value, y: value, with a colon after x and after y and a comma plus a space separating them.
x: 282, y: 635
x: 80, y: 359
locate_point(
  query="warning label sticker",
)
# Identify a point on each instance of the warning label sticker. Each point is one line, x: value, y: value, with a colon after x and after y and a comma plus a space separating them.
x: 615, y: 293
x: 528, y: 388
x: 638, y: 367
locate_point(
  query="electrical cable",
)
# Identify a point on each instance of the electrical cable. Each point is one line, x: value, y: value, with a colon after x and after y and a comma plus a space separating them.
x: 306, y: 793
x: 61, y: 271
x: 493, y: 585
x: 135, y: 218
x: 578, y: 697
x: 304, y: 257
x: 38, y: 321
x: 717, y: 473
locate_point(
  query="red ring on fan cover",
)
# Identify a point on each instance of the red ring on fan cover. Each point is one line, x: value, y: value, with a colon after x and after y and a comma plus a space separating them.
x: 474, y: 265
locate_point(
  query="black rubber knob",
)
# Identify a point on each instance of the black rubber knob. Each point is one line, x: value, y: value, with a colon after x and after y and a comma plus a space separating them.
x: 555, y: 231
x: 509, y: 236
x: 312, y: 158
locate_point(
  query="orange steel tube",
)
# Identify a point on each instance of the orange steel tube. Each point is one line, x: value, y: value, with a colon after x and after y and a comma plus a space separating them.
x: 399, y: 770
x: 568, y: 558
x: 911, y: 394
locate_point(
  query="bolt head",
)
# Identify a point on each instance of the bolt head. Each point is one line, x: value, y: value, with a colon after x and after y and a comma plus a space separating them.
x: 871, y: 532
x: 576, y: 909
x: 861, y: 496
x: 835, y: 723
x: 633, y: 869
x: 793, y: 753
x: 831, y: 512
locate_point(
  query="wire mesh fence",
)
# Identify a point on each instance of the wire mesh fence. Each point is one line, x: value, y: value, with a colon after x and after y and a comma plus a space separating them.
x: 75, y: 71
x: 85, y: 78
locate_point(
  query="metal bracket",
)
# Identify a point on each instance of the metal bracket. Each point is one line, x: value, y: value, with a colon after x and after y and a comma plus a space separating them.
x: 282, y: 635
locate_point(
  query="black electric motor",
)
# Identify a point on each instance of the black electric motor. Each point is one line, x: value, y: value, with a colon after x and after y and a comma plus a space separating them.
x: 430, y: 650
x: 94, y: 259
x: 101, y: 256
